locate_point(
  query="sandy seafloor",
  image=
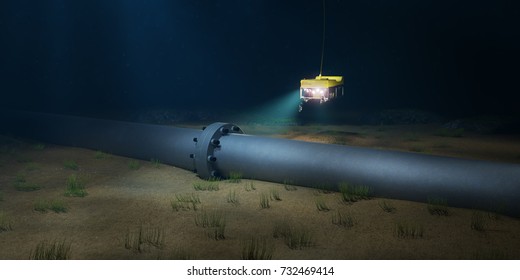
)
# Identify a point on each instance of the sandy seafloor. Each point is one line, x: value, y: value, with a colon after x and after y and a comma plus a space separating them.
x: 124, y: 197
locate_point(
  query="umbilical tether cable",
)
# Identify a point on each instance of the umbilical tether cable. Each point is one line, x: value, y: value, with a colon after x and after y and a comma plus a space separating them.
x: 323, y: 40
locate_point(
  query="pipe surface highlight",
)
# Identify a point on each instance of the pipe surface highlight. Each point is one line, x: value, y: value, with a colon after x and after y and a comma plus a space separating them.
x: 222, y: 148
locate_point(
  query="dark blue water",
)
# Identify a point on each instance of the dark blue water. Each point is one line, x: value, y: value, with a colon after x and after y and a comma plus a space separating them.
x: 456, y: 57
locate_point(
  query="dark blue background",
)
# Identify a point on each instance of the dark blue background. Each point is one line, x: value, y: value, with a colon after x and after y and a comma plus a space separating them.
x: 458, y: 57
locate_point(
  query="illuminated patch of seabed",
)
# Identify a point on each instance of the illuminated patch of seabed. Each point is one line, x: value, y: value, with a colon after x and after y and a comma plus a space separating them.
x: 281, y: 112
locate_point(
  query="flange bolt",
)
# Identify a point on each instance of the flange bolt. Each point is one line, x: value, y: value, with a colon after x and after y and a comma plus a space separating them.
x: 224, y: 130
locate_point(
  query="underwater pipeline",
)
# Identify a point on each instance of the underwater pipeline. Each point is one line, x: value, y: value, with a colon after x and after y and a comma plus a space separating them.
x: 222, y: 148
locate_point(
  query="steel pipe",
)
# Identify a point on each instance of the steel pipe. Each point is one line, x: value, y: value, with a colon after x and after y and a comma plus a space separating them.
x: 222, y: 148
x: 169, y: 145
x: 392, y: 174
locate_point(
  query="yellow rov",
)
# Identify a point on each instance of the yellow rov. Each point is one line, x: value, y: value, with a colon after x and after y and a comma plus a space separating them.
x: 321, y: 89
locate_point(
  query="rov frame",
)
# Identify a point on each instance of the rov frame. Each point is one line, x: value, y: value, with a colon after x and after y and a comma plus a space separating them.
x: 320, y: 89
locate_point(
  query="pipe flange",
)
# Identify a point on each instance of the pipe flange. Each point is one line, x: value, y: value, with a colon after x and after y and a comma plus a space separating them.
x: 207, y: 143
